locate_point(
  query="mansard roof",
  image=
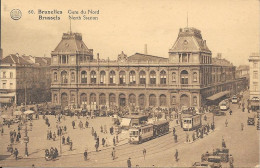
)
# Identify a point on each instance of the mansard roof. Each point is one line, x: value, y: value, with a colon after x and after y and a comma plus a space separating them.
x: 72, y: 43
x: 144, y: 58
x: 190, y: 40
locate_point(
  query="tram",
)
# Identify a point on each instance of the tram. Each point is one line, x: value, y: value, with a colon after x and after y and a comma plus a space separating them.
x: 190, y: 121
x: 224, y: 105
x: 142, y: 133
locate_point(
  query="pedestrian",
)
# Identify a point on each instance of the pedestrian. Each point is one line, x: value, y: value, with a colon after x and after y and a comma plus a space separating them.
x: 65, y: 128
x: 96, y: 146
x: 54, y: 136
x: 68, y: 140
x: 98, y: 140
x: 231, y: 161
x: 176, y: 155
x: 226, y: 123
x: 223, y: 143
x: 73, y: 124
x: 101, y: 128
x: 242, y: 126
x: 129, y: 163
x: 103, y: 142
x: 114, y: 141
x: 63, y: 140
x: 86, y: 124
x: 86, y: 155
x: 114, y: 153
x: 174, y: 130
x: 16, y: 153
x: 230, y: 112
x: 92, y: 131
x: 56, y: 153
x: 117, y: 141
x: 144, y: 152
x: 71, y: 145
x: 50, y: 135
x: 175, y: 138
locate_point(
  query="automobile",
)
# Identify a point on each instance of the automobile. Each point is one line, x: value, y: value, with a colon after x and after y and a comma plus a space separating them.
x: 251, y: 121
x: 234, y: 100
x: 215, y: 160
x: 218, y: 112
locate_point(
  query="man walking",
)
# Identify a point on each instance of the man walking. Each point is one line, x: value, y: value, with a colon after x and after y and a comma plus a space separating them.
x: 16, y: 153
x: 86, y: 155
x: 144, y: 152
x: 129, y: 163
x: 176, y: 155
x: 226, y: 123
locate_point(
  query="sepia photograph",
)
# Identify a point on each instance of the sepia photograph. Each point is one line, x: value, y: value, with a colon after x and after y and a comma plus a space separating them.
x: 151, y: 83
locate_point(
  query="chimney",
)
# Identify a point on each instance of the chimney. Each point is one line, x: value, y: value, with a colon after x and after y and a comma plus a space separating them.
x: 145, y: 49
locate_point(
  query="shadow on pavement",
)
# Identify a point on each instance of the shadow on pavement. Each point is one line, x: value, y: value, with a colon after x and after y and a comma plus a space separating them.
x: 3, y: 157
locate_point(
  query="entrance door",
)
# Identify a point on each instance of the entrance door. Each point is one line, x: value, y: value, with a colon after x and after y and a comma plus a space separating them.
x: 64, y: 100
x: 122, y: 100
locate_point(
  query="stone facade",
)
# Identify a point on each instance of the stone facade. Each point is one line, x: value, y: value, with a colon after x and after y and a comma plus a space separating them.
x: 187, y: 78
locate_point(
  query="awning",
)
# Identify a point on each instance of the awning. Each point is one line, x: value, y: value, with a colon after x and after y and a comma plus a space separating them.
x: 125, y: 122
x: 218, y: 95
x: 5, y: 100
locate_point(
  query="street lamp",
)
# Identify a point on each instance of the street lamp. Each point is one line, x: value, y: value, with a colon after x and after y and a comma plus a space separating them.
x: 26, y: 140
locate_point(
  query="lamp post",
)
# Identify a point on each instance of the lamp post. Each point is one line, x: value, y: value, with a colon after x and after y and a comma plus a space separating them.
x: 26, y: 140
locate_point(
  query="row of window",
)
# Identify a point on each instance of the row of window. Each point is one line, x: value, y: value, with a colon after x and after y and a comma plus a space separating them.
x: 4, y: 75
x: 184, y: 76
x: 132, y: 101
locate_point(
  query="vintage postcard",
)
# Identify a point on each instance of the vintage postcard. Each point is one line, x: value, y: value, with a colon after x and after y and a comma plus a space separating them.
x: 129, y: 83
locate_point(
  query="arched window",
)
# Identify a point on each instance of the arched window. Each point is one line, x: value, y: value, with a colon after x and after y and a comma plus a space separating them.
x: 112, y: 77
x: 72, y: 99
x: 132, y: 78
x: 184, y: 77
x: 55, y: 76
x: 102, y: 99
x: 142, y: 77
x: 83, y: 77
x: 83, y: 98
x: 195, y: 76
x: 102, y: 77
x: 195, y: 100
x: 173, y: 99
x: 153, y: 77
x: 122, y: 77
x: 112, y: 100
x: 141, y: 101
x: 174, y: 76
x: 93, y: 100
x: 163, y: 101
x: 72, y: 77
x: 132, y: 100
x: 64, y: 77
x: 122, y: 99
x: 152, y: 100
x: 93, y: 77
x: 55, y: 98
x: 163, y: 77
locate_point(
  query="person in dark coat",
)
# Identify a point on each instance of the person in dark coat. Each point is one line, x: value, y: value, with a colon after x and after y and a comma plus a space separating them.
x: 114, y: 141
x: 16, y: 153
x: 73, y: 124
x: 68, y: 140
x: 103, y: 142
x: 129, y: 163
x: 86, y: 124
x: 86, y: 155
x: 63, y: 140
x: 175, y: 138
x: 70, y: 145
x: 176, y: 155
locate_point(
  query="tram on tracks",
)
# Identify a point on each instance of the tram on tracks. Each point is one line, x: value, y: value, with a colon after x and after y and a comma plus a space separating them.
x: 191, y: 121
x: 224, y: 105
x: 142, y: 133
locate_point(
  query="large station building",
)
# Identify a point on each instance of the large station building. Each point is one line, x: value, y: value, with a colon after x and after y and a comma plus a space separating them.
x: 188, y: 77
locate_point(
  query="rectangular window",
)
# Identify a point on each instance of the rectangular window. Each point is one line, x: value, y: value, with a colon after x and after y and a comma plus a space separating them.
x: 11, y: 75
x: 255, y: 65
x: 4, y: 85
x: 4, y: 74
x: 255, y: 86
x: 255, y: 75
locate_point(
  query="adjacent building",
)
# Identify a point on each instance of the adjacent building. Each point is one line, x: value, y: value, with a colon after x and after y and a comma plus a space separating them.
x: 188, y: 77
x: 24, y: 79
x: 254, y: 61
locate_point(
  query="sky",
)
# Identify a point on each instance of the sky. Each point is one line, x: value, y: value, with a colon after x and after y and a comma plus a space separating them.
x: 230, y: 27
